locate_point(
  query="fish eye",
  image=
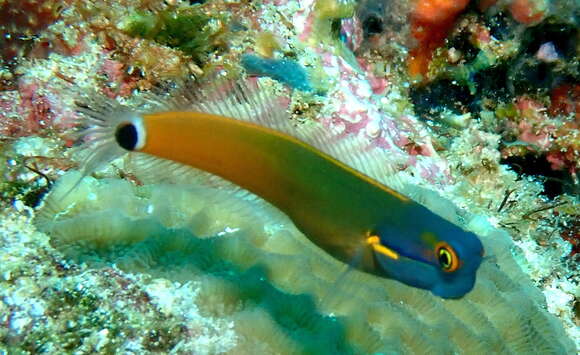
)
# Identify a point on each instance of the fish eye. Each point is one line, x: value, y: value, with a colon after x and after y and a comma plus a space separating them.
x: 126, y: 136
x: 447, y: 257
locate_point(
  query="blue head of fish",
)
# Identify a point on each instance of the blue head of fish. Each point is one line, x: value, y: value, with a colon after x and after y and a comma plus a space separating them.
x: 431, y: 253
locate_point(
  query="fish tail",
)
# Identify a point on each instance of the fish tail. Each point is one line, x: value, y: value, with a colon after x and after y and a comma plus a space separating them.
x: 94, y: 138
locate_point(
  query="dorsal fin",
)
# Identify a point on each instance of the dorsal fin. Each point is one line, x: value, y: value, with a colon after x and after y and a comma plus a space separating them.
x: 251, y: 101
x: 241, y: 100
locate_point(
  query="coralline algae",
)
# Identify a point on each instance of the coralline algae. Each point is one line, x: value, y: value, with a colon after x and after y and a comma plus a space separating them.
x: 50, y: 305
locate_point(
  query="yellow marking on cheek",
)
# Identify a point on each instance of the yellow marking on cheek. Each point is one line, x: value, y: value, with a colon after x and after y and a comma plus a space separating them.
x: 430, y: 240
x: 375, y: 242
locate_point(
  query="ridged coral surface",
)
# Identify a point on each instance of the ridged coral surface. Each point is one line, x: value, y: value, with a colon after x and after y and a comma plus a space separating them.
x: 283, y: 294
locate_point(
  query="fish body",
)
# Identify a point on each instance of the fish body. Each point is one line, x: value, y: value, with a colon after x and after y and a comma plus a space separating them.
x: 343, y: 211
x: 334, y: 205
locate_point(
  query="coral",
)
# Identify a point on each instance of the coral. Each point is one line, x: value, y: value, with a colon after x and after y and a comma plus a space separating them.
x: 572, y: 235
x: 266, y: 44
x: 495, y: 56
x: 469, y: 52
x: 529, y: 126
x: 28, y: 113
x: 29, y: 167
x: 49, y: 305
x: 252, y: 262
x: 21, y: 21
x: 36, y: 107
x: 138, y: 66
x: 380, y: 26
x: 539, y: 226
x: 134, y: 34
x: 564, y: 100
x: 320, y: 28
x: 353, y: 108
x: 526, y: 12
x: 525, y: 75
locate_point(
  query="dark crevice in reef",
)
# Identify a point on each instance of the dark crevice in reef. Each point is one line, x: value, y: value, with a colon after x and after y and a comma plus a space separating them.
x: 562, y: 36
x: 431, y: 100
x: 462, y: 43
x: 555, y: 182
x: 491, y: 83
x: 501, y: 26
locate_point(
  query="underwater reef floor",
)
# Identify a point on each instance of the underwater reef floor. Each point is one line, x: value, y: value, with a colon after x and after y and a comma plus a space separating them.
x: 215, y: 272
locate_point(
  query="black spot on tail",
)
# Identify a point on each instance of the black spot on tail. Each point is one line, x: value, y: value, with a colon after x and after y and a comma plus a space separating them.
x: 127, y: 136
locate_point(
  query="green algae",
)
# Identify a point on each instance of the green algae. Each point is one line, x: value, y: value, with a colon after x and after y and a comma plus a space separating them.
x: 18, y: 188
x: 189, y: 29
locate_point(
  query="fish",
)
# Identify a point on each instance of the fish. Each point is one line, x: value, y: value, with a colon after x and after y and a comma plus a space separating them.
x: 236, y: 131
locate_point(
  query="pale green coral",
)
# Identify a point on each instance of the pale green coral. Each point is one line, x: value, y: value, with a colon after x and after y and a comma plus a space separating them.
x: 283, y: 294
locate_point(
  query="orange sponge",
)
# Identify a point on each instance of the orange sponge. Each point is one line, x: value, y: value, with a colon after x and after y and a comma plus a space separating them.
x: 528, y: 12
x: 431, y: 20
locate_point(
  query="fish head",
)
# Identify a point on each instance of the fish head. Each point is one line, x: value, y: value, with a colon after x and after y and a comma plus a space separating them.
x: 430, y: 253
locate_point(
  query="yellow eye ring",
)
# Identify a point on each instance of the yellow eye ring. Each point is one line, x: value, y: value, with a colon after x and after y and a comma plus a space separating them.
x: 446, y: 256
